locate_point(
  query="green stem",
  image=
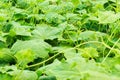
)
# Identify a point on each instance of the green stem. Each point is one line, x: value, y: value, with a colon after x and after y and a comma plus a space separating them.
x: 116, y: 6
x: 40, y: 63
x: 110, y: 50
x: 43, y: 61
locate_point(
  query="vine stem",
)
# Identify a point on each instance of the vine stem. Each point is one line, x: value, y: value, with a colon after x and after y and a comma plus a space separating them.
x: 110, y: 50
x: 43, y: 61
x: 40, y: 63
x: 116, y: 5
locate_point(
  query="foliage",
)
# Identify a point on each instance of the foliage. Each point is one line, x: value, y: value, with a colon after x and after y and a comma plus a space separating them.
x: 59, y: 39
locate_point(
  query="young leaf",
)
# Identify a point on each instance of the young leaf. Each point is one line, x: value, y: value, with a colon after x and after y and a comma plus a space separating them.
x: 24, y: 57
x: 89, y: 52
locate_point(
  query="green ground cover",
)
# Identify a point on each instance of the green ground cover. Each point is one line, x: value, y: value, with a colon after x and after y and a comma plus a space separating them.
x: 59, y: 39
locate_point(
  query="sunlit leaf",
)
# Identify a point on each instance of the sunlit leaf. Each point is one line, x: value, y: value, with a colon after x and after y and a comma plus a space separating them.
x: 24, y: 57
x: 108, y: 17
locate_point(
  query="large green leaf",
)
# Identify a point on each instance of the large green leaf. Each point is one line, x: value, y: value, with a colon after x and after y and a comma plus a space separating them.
x: 91, y: 35
x: 23, y: 75
x: 48, y: 32
x: 39, y: 47
x: 78, y: 68
x: 108, y: 17
x: 86, y: 35
x: 19, y: 30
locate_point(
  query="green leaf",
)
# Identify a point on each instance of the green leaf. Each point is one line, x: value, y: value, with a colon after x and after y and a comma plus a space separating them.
x: 39, y: 47
x: 22, y: 4
x: 72, y: 69
x: 20, y: 31
x: 2, y: 44
x: 43, y: 5
x: 91, y: 35
x: 5, y: 77
x: 2, y: 17
x: 6, y: 69
x: 69, y: 52
x: 89, y: 52
x: 23, y: 75
x: 2, y: 38
x: 85, y: 36
x: 53, y: 8
x: 14, y: 28
x: 71, y: 15
x: 24, y: 57
x: 47, y: 78
x: 67, y: 6
x: 6, y: 56
x: 76, y: 2
x: 108, y: 17
x: 18, y: 16
x: 62, y: 71
x: 94, y: 75
x: 12, y: 73
x: 53, y: 17
x: 48, y: 32
x: 7, y: 27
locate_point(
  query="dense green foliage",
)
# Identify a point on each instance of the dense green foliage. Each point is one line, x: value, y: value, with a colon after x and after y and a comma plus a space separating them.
x: 59, y: 39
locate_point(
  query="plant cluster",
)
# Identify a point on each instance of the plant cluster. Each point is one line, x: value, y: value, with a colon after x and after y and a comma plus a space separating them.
x: 59, y: 40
